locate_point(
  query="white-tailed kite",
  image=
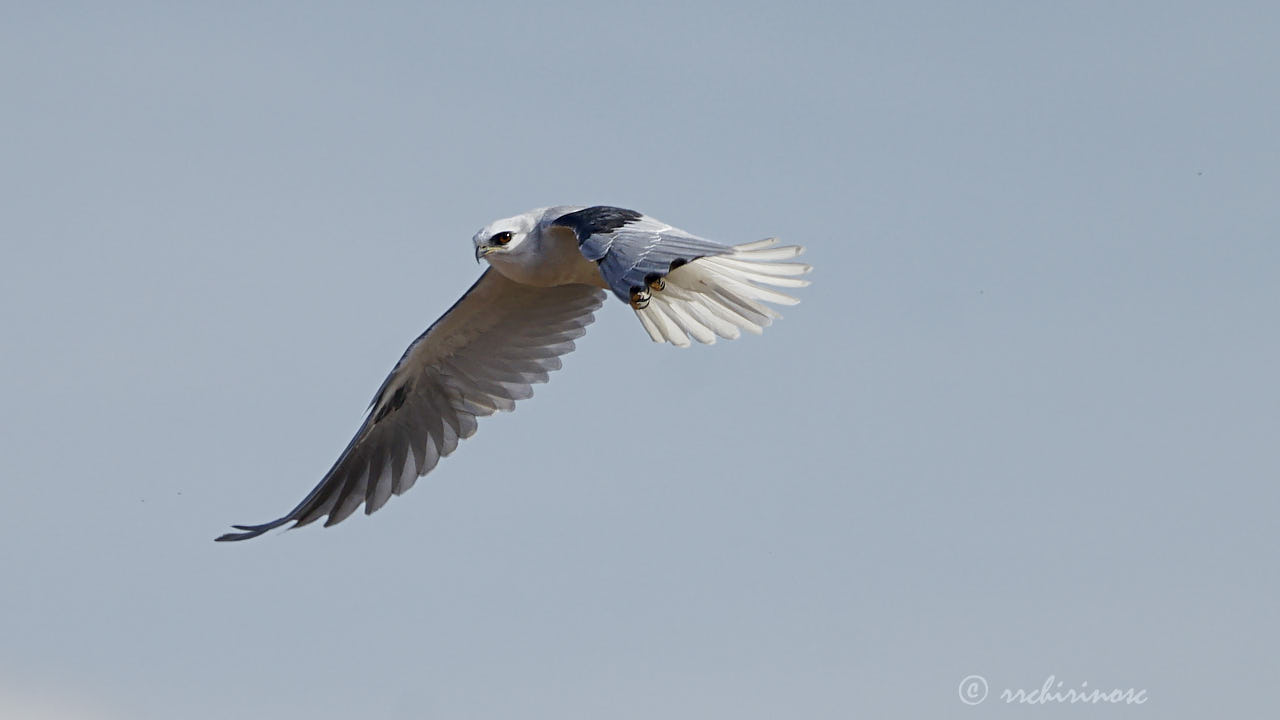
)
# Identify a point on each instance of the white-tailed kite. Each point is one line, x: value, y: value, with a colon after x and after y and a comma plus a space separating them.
x: 548, y: 269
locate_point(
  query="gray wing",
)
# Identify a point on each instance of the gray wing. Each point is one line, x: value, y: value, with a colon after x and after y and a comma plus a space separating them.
x: 485, y: 353
x: 633, y: 250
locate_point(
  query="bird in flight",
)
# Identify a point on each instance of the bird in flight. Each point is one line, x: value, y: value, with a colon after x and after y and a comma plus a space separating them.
x: 548, y: 270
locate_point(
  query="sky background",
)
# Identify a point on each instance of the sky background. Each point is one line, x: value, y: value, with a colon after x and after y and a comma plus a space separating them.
x: 1024, y: 423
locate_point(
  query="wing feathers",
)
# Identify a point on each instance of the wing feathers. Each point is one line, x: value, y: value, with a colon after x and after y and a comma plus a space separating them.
x: 720, y: 295
x: 483, y: 355
x: 379, y: 491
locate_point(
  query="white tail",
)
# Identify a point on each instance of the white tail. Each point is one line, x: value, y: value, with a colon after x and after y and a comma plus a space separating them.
x: 722, y: 294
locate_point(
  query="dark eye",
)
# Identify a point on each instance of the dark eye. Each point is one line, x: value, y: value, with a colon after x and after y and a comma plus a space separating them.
x: 501, y: 238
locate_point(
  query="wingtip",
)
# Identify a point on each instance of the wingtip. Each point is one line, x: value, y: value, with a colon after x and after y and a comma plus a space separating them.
x: 249, y: 531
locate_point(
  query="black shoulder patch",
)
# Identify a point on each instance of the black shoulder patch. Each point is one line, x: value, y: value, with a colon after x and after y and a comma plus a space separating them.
x: 393, y: 403
x: 598, y: 219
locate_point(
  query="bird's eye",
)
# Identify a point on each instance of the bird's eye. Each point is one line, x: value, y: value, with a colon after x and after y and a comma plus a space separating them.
x: 501, y: 238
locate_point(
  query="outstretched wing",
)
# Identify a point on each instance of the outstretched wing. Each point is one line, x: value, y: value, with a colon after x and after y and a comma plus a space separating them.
x: 500, y: 338
x: 632, y: 249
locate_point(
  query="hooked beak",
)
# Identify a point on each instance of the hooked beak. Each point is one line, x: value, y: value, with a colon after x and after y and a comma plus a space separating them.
x: 483, y: 250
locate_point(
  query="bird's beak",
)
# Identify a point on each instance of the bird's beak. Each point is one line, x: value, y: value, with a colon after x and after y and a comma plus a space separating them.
x: 482, y: 250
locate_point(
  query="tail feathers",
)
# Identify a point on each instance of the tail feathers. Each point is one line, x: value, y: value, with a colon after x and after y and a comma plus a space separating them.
x: 722, y: 295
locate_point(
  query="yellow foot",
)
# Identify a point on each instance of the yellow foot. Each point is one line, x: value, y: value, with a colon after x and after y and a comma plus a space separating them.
x: 639, y: 298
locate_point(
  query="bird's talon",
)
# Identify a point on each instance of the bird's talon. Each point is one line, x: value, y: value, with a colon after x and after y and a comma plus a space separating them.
x: 639, y: 298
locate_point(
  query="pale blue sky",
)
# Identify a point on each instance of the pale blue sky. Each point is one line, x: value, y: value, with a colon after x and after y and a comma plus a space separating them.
x: 1024, y: 422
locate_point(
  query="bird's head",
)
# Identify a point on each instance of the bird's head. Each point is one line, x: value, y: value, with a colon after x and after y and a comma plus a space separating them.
x: 505, y: 236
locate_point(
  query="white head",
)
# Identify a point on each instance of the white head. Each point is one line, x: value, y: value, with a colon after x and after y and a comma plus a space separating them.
x: 507, y: 236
